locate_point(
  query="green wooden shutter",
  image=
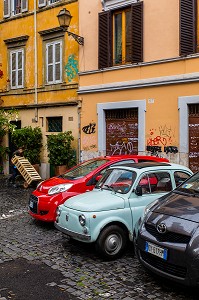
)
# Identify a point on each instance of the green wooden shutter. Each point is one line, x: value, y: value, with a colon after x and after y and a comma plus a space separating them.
x: 188, y: 26
x: 105, y: 40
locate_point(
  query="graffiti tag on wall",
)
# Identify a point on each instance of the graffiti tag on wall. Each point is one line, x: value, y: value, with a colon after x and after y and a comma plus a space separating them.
x: 89, y: 142
x: 71, y: 67
x: 163, y: 136
x: 89, y: 129
x: 124, y: 148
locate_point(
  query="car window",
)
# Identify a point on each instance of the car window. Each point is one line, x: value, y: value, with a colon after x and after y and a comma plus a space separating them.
x: 118, y: 180
x: 155, y: 182
x: 84, y: 169
x: 124, y: 161
x: 180, y: 177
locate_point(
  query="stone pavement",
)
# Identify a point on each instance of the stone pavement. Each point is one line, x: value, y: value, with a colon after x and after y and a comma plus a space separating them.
x: 82, y: 274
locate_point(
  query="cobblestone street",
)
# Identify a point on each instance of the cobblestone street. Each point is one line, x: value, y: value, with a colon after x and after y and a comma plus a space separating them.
x: 81, y: 274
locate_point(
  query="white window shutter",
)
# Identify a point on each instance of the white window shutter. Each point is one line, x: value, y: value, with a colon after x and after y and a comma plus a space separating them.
x: 42, y: 3
x: 58, y: 62
x: 20, y: 69
x: 24, y: 5
x: 6, y: 8
x: 13, y: 61
x: 49, y: 64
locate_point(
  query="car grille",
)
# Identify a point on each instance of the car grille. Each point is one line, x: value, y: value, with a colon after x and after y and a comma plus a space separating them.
x: 170, y: 237
x: 163, y: 265
x: 34, y: 200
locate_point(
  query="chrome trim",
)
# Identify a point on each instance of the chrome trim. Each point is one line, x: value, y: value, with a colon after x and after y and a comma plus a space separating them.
x: 73, y: 234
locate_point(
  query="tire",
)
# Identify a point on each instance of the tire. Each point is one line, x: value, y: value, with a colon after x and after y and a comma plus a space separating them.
x: 111, y: 242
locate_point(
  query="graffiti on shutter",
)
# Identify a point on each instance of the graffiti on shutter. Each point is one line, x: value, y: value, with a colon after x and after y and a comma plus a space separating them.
x: 121, y: 132
x: 194, y: 137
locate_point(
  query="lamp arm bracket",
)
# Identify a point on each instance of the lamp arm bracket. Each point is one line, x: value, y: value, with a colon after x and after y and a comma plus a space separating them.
x: 78, y: 38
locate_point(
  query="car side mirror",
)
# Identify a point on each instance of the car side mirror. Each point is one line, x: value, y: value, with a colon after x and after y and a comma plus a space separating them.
x: 138, y: 190
x: 97, y: 178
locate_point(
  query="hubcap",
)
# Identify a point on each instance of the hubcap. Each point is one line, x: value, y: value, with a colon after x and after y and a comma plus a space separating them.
x: 113, y: 244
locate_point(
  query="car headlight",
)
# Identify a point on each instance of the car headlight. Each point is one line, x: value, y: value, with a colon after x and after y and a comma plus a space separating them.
x: 58, y: 211
x: 82, y: 220
x: 148, y: 208
x: 59, y: 188
x: 39, y: 184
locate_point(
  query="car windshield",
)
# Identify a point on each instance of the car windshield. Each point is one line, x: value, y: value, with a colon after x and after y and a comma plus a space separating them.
x: 190, y: 186
x: 84, y: 169
x: 117, y: 180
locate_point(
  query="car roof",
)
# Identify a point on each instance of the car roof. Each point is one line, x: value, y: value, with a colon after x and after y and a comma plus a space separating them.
x: 150, y: 165
x: 131, y: 156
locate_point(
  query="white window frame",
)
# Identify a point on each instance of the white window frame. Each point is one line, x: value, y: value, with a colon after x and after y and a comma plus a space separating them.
x: 17, y: 85
x: 52, y: 1
x: 54, y: 43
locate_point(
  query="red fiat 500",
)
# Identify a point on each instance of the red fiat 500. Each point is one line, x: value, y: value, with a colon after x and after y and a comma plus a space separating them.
x: 52, y: 192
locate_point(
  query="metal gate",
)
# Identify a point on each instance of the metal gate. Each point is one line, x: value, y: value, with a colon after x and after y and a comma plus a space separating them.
x: 194, y: 137
x: 122, y: 131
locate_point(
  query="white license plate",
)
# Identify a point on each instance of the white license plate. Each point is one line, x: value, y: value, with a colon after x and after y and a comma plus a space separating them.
x: 155, y: 250
x: 31, y: 204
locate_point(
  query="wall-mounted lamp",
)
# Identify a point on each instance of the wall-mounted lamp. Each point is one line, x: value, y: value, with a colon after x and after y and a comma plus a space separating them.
x: 64, y: 18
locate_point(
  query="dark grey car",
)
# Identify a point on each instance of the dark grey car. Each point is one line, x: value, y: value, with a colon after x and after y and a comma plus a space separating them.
x: 168, y: 237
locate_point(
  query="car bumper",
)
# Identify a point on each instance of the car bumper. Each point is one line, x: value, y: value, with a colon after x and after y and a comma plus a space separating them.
x: 72, y: 234
x: 186, y: 272
x: 43, y: 207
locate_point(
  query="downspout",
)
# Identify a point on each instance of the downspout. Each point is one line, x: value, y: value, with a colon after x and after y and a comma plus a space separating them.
x: 35, y: 63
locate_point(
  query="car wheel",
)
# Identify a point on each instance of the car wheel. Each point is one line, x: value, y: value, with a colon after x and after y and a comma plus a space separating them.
x: 112, y: 242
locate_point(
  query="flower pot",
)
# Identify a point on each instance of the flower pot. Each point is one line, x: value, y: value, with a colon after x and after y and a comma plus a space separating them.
x: 60, y: 170
x: 36, y: 166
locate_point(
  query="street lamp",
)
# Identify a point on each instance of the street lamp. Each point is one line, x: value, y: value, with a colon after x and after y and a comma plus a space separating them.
x: 64, y: 18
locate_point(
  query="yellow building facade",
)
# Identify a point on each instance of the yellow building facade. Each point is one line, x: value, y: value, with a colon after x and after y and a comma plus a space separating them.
x: 39, y: 64
x: 139, y: 79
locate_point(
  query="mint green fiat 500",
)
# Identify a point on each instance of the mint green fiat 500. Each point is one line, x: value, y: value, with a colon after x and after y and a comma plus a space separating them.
x: 107, y: 215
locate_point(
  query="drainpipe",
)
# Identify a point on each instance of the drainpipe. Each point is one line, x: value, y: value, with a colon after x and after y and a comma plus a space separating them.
x: 35, y: 62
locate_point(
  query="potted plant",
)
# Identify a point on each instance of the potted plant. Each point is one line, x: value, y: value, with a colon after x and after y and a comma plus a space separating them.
x: 5, y: 126
x: 31, y: 139
x: 60, y: 152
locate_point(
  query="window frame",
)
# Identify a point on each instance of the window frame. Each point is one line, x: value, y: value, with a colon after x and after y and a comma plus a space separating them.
x: 123, y: 32
x: 53, y: 43
x: 105, y: 35
x: 11, y: 70
x: 51, y: 118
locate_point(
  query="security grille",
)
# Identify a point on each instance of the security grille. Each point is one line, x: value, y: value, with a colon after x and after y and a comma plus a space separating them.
x: 54, y: 124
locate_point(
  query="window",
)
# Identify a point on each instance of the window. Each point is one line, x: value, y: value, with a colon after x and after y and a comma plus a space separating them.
x: 52, y: 1
x: 54, y: 124
x: 121, y: 36
x: 42, y: 3
x: 180, y: 177
x: 159, y: 182
x: 17, y: 68
x: 15, y: 7
x: 54, y: 62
